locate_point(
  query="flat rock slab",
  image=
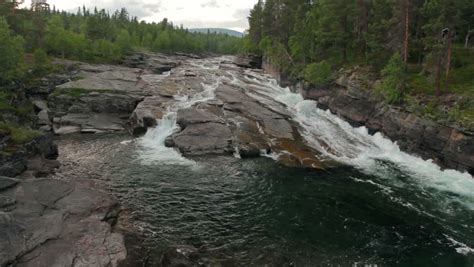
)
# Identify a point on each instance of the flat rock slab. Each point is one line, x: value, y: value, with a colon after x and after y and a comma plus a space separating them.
x: 56, y: 223
x: 6, y: 183
x: 191, y: 116
x: 205, y: 138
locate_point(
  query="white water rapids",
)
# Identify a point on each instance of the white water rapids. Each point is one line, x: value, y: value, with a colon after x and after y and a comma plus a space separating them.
x: 372, y: 154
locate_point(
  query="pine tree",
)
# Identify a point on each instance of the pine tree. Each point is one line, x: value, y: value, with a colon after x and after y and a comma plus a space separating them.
x: 11, y: 54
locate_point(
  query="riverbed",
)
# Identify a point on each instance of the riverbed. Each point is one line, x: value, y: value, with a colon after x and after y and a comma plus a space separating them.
x: 378, y: 205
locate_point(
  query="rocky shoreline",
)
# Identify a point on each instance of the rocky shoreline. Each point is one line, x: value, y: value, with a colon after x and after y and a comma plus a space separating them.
x: 352, y: 98
x: 48, y: 222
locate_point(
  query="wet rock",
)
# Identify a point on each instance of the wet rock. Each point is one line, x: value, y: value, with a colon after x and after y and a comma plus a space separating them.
x: 249, y: 61
x: 146, y: 114
x: 189, y: 73
x: 169, y: 142
x: 249, y: 139
x: 352, y: 98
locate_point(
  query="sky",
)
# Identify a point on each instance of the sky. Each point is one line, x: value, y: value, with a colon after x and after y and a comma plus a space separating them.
x: 231, y: 14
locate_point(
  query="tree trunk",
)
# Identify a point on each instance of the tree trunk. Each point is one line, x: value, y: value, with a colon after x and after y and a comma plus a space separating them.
x: 438, y: 76
x: 449, y: 56
x: 468, y: 37
x: 407, y: 30
x: 363, y: 25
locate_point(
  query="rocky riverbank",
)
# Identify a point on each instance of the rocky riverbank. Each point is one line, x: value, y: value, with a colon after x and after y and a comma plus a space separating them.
x: 47, y: 222
x: 353, y: 98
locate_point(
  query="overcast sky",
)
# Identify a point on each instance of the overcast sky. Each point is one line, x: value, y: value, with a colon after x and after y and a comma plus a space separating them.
x: 230, y: 14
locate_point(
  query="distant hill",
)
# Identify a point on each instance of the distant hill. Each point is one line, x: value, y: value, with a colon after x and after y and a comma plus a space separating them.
x: 218, y: 30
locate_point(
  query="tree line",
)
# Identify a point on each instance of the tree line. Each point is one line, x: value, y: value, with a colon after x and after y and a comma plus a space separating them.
x: 309, y: 38
x: 94, y: 35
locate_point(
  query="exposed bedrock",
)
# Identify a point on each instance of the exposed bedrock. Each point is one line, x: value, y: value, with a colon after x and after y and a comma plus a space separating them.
x: 47, y: 222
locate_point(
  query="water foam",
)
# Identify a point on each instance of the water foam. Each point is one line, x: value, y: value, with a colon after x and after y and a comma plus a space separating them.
x: 153, y: 148
x: 372, y: 154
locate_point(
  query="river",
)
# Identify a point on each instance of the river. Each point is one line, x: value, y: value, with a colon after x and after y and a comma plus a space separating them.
x: 378, y: 206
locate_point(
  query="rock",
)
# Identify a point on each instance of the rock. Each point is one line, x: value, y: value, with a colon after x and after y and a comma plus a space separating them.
x: 94, y: 122
x: 47, y: 84
x: 250, y: 141
x: 13, y: 166
x: 352, y: 100
x: 55, y: 223
x: 146, y: 115
x: 40, y: 105
x: 249, y: 61
x: 189, y: 73
x: 190, y: 116
x: 169, y: 142
x: 7, y: 183
x: 45, y: 128
x: 205, y: 138
x: 43, y: 118
x: 40, y: 167
x: 6, y: 203
x: 66, y: 130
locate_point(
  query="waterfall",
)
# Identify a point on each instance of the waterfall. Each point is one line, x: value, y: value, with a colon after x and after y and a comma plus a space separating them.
x: 372, y: 154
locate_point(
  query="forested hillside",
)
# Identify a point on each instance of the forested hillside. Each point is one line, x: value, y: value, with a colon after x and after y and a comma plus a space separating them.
x: 29, y: 40
x: 98, y: 35
x: 418, y: 47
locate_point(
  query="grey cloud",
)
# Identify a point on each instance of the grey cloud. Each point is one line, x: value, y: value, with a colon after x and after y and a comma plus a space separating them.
x: 240, y: 23
x: 242, y: 13
x: 211, y: 4
x: 136, y: 8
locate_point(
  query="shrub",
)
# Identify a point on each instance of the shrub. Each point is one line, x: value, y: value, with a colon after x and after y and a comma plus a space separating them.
x: 394, y: 79
x: 41, y: 61
x: 11, y: 54
x: 19, y: 134
x: 318, y: 74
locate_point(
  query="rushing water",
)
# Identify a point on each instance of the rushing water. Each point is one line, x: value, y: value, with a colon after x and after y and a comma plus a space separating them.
x: 384, y: 207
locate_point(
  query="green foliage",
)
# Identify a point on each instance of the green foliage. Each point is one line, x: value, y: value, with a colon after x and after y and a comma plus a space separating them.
x: 124, y: 41
x: 19, y: 134
x: 394, y: 76
x: 41, y: 61
x: 5, y: 98
x: 99, y: 37
x: 106, y: 50
x: 464, y: 117
x: 11, y: 54
x: 319, y: 74
x: 295, y: 34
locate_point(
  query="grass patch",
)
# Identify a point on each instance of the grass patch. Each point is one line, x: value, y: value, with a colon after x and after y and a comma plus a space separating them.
x: 5, y: 97
x: 19, y: 134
